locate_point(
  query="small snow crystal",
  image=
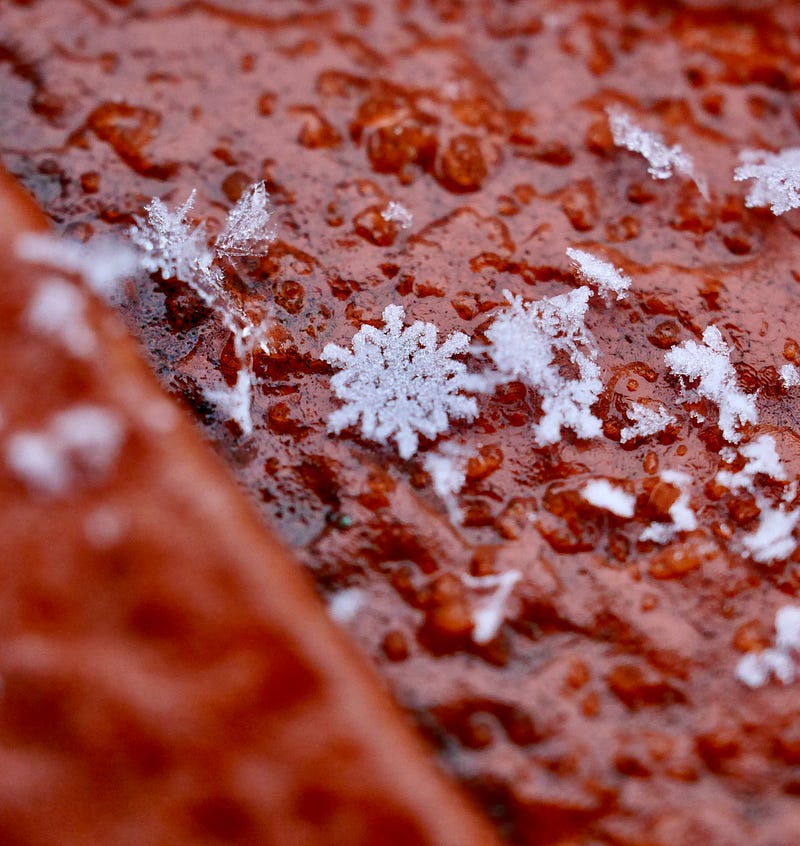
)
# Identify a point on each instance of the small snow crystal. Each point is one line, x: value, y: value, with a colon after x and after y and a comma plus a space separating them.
x: 710, y: 363
x: 662, y: 159
x: 602, y: 274
x: 682, y: 517
x: 646, y: 421
x: 398, y: 382
x: 448, y: 471
x: 397, y: 213
x: 762, y: 457
x: 777, y: 178
x: 489, y: 617
x: 526, y: 342
x: 772, y: 540
x: 755, y: 668
x: 249, y: 229
x: 790, y: 376
x: 81, y: 442
x: 602, y: 494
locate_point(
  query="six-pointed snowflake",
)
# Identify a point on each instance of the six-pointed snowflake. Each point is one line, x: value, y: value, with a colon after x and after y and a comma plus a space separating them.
x: 398, y: 383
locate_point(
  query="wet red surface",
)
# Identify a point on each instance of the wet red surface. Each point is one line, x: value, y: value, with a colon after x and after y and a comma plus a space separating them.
x: 607, y: 709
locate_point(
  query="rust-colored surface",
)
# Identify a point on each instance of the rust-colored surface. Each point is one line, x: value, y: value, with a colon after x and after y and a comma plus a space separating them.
x: 167, y: 674
x: 607, y: 710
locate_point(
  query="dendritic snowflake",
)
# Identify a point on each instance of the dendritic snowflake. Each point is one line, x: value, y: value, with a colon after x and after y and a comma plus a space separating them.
x: 399, y: 383
x: 777, y: 178
x: 176, y: 247
x: 526, y: 342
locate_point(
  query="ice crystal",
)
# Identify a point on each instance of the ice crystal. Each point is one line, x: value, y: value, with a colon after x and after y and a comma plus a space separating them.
x: 249, y: 229
x: 777, y: 178
x: 602, y: 494
x: 527, y: 342
x: 646, y: 420
x: 489, y: 616
x: 174, y: 246
x: 397, y: 213
x: 773, y: 538
x: 682, y: 517
x: 710, y: 364
x: 447, y: 467
x: 662, y: 159
x: 398, y: 383
x: 602, y: 274
x: 761, y: 457
x: 790, y: 376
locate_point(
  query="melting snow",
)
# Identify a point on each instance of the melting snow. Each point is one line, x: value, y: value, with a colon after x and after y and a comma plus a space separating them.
x: 646, y: 421
x: 489, y: 616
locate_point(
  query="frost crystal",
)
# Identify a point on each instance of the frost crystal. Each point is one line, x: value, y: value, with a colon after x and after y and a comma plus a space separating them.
x: 777, y: 178
x: 711, y: 364
x: 790, y: 376
x: 772, y: 540
x: 489, y: 617
x: 175, y: 247
x: 683, y: 518
x: 249, y: 229
x: 448, y: 471
x: 397, y: 213
x: 602, y: 274
x: 527, y: 341
x: 646, y: 421
x: 755, y: 668
x: 602, y: 494
x: 661, y: 158
x: 398, y: 382
x: 762, y: 457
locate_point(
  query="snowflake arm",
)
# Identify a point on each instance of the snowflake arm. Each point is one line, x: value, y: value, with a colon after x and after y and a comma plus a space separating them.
x: 602, y: 274
x: 249, y: 228
x: 777, y: 178
x: 398, y: 383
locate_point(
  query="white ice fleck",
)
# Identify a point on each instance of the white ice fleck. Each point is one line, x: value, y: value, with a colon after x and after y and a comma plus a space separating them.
x: 710, y: 364
x: 647, y: 420
x: 776, y: 175
x: 345, y: 604
x: 662, y: 159
x: 398, y: 213
x: 489, y: 616
x: 602, y: 274
x: 602, y: 494
x: 249, y: 228
x: 79, y: 443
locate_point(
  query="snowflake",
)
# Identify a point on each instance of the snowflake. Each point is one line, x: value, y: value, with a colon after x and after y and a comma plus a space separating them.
x: 398, y: 382
x: 710, y: 364
x: 175, y: 247
x: 602, y: 274
x: 527, y: 340
x: 662, y: 160
x: 777, y: 178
